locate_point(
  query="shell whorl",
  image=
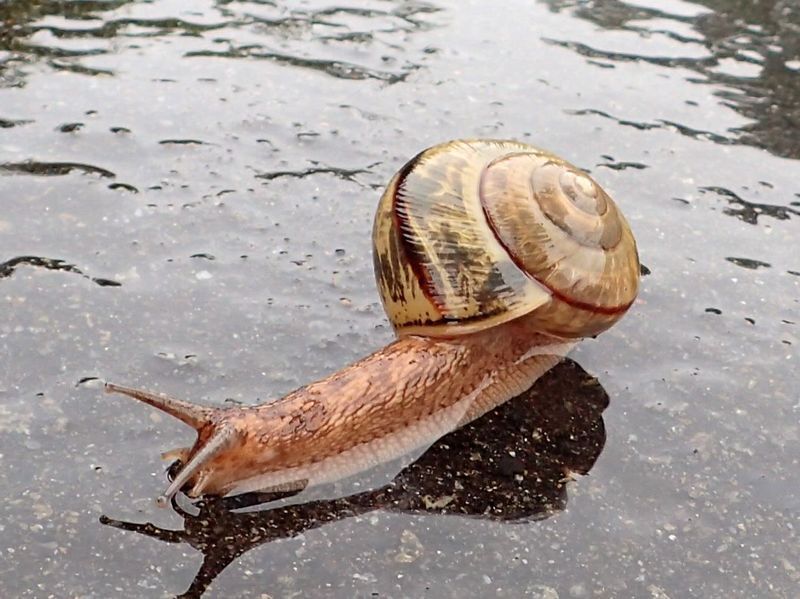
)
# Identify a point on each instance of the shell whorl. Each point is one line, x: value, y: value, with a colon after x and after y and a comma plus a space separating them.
x: 470, y: 234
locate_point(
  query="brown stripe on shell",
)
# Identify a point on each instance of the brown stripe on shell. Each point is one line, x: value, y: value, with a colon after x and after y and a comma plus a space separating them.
x: 403, y: 226
x: 439, y: 229
x: 608, y: 310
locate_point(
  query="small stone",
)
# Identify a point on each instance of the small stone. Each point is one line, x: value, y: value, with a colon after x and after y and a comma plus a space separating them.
x: 410, y: 548
x: 540, y: 591
x: 438, y: 503
x: 577, y: 590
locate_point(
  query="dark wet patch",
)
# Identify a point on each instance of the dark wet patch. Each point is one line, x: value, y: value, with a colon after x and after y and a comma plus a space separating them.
x: 590, y: 52
x: 9, y: 123
x: 124, y: 186
x: 513, y: 464
x: 72, y: 66
x: 120, y: 27
x: 8, y: 268
x: 54, y: 52
x: 183, y: 142
x: 660, y: 124
x: 750, y: 212
x: 748, y: 263
x: 69, y: 127
x: 340, y: 173
x: 698, y: 133
x: 602, y: 65
x: 621, y: 166
x: 623, y: 122
x: 53, y: 169
x: 334, y: 68
x: 106, y: 282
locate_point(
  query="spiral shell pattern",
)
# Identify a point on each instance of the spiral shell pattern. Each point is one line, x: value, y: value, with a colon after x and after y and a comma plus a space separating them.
x: 474, y: 233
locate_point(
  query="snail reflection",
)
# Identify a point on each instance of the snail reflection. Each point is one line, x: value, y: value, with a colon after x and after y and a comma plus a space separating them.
x: 513, y: 464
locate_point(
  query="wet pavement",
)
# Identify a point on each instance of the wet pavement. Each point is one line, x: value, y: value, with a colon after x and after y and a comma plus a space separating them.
x: 188, y: 191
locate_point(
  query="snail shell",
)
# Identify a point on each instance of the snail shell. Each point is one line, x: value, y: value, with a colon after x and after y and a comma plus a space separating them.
x: 471, y: 234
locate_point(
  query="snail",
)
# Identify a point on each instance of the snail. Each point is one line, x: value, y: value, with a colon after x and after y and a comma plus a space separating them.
x: 492, y: 258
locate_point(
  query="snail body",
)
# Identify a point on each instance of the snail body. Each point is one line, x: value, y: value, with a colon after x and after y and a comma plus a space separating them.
x: 492, y: 259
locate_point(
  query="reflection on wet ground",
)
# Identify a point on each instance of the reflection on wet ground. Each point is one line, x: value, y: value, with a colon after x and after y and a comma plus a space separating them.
x: 513, y: 464
x: 188, y: 190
